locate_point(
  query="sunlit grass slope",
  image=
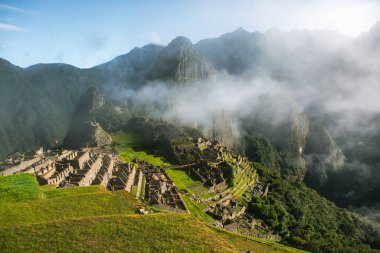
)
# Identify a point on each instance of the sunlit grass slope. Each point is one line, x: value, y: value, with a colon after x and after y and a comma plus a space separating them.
x: 43, y: 204
x: 18, y: 188
x: 91, y: 219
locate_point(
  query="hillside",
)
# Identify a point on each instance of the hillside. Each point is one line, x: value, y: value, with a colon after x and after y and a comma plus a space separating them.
x: 290, y: 209
x: 242, y: 124
x: 38, y: 102
x: 92, y: 219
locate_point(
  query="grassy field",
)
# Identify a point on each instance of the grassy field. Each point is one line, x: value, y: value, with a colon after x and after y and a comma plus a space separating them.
x: 19, y: 188
x: 128, y: 144
x: 44, y: 204
x: 91, y: 219
x: 196, y: 209
x: 247, y: 243
x: 54, y: 193
x: 184, y: 182
x: 67, y: 207
x: 130, y: 233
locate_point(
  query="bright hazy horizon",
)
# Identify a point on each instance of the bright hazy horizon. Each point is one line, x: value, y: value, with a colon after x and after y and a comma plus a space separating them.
x: 86, y: 33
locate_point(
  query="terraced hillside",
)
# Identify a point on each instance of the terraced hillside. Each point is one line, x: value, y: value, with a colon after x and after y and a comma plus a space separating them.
x: 92, y: 219
x: 244, y: 175
x: 270, y: 208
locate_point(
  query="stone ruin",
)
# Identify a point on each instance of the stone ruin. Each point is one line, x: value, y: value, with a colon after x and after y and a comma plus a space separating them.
x: 214, y: 164
x: 70, y: 168
x: 160, y: 190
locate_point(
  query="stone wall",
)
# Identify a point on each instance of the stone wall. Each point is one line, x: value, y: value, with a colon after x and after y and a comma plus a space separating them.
x: 18, y: 168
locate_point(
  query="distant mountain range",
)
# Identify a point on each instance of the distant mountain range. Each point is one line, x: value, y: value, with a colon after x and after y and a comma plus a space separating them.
x: 330, y: 134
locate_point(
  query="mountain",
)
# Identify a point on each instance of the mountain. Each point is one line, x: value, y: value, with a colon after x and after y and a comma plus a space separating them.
x: 273, y: 205
x: 37, y: 103
x: 234, y: 52
x: 286, y: 208
x: 327, y: 131
x: 129, y: 69
x: 84, y: 130
x: 180, y: 62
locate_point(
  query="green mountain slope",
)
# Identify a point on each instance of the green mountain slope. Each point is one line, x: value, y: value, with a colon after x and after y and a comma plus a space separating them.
x: 297, y: 213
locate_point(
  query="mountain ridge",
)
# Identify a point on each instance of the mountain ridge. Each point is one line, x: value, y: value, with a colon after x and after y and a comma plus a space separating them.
x: 38, y: 102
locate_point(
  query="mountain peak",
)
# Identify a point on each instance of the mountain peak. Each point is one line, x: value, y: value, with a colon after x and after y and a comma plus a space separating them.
x: 180, y: 62
x: 180, y: 41
x: 84, y: 130
x: 238, y: 34
x: 240, y: 30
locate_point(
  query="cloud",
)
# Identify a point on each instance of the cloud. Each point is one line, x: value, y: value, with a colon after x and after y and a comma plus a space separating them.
x: 11, y: 28
x: 6, y: 7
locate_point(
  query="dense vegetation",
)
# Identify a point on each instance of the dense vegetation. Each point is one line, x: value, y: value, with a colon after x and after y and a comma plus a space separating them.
x: 306, y: 220
x: 302, y: 217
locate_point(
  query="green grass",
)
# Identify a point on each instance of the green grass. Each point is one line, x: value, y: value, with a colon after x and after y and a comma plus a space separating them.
x: 123, y: 233
x: 31, y: 203
x: 70, y: 191
x: 207, y: 195
x: 92, y: 219
x: 182, y: 180
x: 196, y: 209
x: 129, y: 233
x: 67, y: 207
x: 244, y: 178
x: 127, y: 144
x: 245, y: 243
x: 18, y: 188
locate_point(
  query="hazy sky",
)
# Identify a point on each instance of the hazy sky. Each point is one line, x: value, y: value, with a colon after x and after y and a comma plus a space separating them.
x: 89, y: 32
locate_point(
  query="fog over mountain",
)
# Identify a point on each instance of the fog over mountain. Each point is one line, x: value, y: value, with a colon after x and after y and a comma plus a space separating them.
x: 312, y: 96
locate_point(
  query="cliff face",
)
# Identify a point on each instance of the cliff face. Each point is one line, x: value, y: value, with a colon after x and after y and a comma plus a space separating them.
x: 180, y: 63
x: 84, y: 131
x: 87, y: 134
x: 285, y: 127
x: 323, y: 156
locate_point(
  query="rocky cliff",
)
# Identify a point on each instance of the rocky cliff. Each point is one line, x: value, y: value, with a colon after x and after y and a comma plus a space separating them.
x: 84, y: 129
x: 180, y: 63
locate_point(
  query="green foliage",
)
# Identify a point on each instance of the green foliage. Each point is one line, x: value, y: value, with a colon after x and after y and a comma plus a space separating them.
x: 306, y: 220
x: 260, y: 150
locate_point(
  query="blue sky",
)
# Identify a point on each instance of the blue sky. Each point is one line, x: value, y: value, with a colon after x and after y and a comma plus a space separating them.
x: 85, y: 33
